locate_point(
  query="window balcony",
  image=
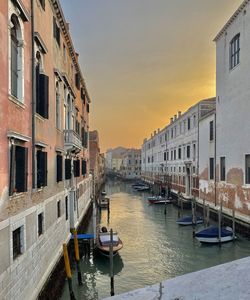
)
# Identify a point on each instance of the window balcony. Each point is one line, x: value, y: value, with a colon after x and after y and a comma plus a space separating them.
x: 72, y: 141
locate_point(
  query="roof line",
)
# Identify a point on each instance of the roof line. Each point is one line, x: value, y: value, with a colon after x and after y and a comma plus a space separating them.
x: 229, y: 22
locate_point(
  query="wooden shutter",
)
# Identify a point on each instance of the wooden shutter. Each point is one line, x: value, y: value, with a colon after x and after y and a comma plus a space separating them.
x: 45, y: 168
x: 84, y: 167
x: 58, y: 168
x: 21, y: 173
x: 12, y: 169
x: 44, y: 95
x: 37, y: 89
x: 77, y: 80
x: 67, y: 168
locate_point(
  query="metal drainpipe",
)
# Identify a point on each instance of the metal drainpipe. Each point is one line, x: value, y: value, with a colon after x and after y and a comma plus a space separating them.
x: 33, y: 101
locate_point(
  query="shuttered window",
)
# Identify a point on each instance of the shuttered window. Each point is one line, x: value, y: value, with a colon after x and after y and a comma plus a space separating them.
x: 42, y: 94
x: 84, y: 167
x: 17, y: 242
x: 77, y: 80
x: 222, y: 168
x: 211, y: 168
x: 84, y: 138
x: 56, y: 31
x: 18, y: 169
x: 58, y: 167
x: 14, y: 58
x: 41, y: 168
x: 247, y: 176
x: 76, y: 168
x: 211, y: 130
x: 67, y: 168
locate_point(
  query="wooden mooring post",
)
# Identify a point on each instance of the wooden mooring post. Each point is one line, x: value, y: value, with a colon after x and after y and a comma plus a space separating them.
x: 193, y: 217
x: 219, y: 222
x: 234, y: 236
x: 207, y: 217
x: 68, y: 271
x: 111, y: 258
x: 77, y: 257
x: 204, y: 211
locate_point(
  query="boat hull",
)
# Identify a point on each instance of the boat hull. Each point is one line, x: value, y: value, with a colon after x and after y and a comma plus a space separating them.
x: 214, y: 240
x: 188, y: 223
x: 159, y: 201
x: 104, y: 250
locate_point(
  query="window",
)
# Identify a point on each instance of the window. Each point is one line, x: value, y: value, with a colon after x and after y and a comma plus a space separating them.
x: 56, y: 31
x: 84, y: 167
x: 194, y: 151
x: 41, y: 168
x: 211, y: 168
x: 174, y: 154
x: 58, y: 115
x: 222, y: 169
x: 189, y: 124
x: 16, y: 59
x: 247, y: 169
x: 40, y: 224
x: 17, y: 236
x: 67, y: 168
x: 179, y: 153
x: 58, y: 167
x: 87, y: 108
x: 18, y: 169
x: 42, y: 93
x: 234, y: 52
x: 188, y: 151
x: 84, y: 138
x: 165, y: 156
x: 211, y: 130
x: 77, y: 168
x: 66, y: 208
x: 42, y: 2
x: 77, y: 80
x: 59, y: 209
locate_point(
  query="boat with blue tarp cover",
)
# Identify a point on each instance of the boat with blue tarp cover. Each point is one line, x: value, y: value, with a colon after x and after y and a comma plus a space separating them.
x: 188, y: 220
x: 211, y: 235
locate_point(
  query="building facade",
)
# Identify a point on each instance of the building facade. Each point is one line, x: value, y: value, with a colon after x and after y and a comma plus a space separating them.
x: 96, y: 160
x: 131, y: 164
x: 170, y: 155
x: 45, y: 184
x: 226, y: 174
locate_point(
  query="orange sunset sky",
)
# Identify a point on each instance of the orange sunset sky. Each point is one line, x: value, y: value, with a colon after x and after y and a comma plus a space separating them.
x: 143, y: 60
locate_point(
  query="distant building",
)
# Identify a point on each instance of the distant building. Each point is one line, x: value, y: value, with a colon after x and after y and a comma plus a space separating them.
x: 113, y: 159
x: 131, y: 164
x: 96, y: 160
x: 170, y: 155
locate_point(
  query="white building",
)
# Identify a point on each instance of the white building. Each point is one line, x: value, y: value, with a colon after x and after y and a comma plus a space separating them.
x: 170, y: 156
x: 231, y: 183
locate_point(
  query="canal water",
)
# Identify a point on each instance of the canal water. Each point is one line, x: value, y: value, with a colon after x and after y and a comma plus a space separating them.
x: 155, y: 247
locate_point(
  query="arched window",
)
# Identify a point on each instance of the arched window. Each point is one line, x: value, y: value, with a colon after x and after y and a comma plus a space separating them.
x: 15, y: 56
x: 58, y: 115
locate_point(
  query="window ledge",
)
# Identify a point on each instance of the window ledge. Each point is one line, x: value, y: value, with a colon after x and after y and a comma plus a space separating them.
x: 16, y: 101
x: 17, y: 195
x: 40, y: 117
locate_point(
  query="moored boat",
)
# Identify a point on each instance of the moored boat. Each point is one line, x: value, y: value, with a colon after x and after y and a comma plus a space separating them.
x: 159, y: 200
x: 103, y: 193
x: 188, y: 220
x: 211, y: 235
x: 104, y: 241
x: 142, y: 188
x: 104, y: 202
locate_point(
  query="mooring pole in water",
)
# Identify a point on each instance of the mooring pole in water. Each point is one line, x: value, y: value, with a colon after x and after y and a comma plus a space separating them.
x: 181, y: 207
x: 207, y: 218
x: 108, y: 215
x: 193, y: 218
x: 77, y: 256
x: 204, y: 211
x: 111, y: 257
x: 219, y: 221
x: 94, y: 221
x: 234, y: 223
x: 68, y: 271
x: 178, y: 204
x: 165, y: 208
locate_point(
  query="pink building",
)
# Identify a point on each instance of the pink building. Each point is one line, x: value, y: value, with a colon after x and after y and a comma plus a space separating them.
x: 45, y: 186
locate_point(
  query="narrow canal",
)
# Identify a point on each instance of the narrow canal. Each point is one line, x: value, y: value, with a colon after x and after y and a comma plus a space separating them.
x: 155, y: 247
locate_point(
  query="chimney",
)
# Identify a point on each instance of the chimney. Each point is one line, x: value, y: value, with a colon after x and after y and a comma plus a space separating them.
x: 171, y: 120
x: 67, y: 26
x: 151, y: 135
x: 155, y: 132
x: 179, y: 114
x: 158, y: 130
x: 175, y: 117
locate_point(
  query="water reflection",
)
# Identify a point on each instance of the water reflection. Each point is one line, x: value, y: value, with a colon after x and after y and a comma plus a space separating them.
x: 155, y: 247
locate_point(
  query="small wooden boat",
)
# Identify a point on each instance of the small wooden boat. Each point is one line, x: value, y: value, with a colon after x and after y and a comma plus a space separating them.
x: 104, y: 202
x: 211, y: 235
x: 159, y: 200
x: 188, y: 220
x: 103, y: 242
